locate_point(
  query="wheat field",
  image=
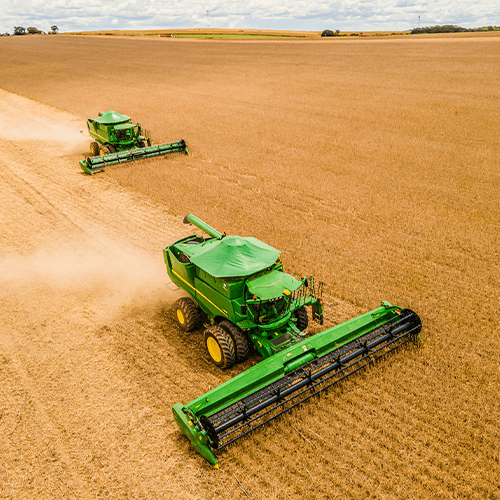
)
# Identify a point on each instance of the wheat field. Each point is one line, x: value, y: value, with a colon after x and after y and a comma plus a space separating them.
x: 372, y: 164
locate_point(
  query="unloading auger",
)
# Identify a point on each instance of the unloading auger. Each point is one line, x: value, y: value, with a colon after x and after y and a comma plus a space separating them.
x: 239, y: 287
x: 117, y: 140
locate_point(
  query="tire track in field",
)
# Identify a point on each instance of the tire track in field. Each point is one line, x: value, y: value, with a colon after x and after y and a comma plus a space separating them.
x: 81, y: 264
x: 86, y: 202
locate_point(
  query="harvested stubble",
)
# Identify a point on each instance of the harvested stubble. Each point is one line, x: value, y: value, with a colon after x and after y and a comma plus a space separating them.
x: 373, y: 165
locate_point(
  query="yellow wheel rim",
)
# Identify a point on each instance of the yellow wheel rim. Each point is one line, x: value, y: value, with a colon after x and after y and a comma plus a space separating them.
x: 180, y: 316
x: 101, y: 152
x: 214, y: 349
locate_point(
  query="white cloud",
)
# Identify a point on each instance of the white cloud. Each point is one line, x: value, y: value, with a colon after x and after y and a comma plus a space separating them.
x: 75, y: 15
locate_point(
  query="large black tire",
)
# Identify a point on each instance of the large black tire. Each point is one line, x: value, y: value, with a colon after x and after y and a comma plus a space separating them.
x: 111, y: 148
x: 187, y: 314
x: 302, y: 318
x: 94, y: 148
x: 103, y: 150
x: 141, y: 144
x: 220, y: 346
x: 241, y: 343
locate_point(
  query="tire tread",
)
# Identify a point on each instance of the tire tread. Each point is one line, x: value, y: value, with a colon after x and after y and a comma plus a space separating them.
x: 241, y: 342
x: 190, y: 312
x: 226, y: 345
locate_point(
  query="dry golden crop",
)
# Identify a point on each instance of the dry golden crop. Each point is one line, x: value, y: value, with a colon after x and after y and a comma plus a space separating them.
x: 373, y: 164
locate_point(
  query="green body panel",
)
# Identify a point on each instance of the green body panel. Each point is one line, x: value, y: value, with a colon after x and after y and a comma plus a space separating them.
x: 229, y: 289
x: 275, y: 367
x: 184, y: 272
x: 219, y: 303
x: 184, y: 276
x: 272, y: 284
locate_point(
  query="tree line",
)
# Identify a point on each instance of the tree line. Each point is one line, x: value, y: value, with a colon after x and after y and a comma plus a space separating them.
x: 20, y: 30
x: 449, y: 28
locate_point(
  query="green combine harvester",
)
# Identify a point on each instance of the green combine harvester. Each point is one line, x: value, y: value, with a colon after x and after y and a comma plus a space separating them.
x: 237, y: 286
x: 118, y: 140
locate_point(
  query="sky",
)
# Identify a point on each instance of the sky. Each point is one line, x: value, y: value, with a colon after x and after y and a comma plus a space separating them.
x: 308, y: 15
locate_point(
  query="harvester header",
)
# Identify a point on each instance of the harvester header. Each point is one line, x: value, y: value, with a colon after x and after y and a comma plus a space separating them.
x: 238, y: 287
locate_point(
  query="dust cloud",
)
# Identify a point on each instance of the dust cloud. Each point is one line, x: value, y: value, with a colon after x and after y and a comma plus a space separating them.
x: 18, y: 122
x: 107, y: 279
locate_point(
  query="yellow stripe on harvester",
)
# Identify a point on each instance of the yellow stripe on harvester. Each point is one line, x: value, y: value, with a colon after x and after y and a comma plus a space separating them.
x: 102, y: 137
x: 197, y: 291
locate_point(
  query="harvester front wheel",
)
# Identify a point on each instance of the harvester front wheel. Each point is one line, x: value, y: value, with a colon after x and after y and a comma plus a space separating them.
x: 187, y: 314
x: 302, y: 318
x: 220, y: 346
x: 94, y: 149
x: 241, y: 343
x: 111, y: 148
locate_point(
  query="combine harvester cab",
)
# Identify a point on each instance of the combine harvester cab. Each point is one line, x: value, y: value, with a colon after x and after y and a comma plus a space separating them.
x: 238, y: 286
x: 118, y: 140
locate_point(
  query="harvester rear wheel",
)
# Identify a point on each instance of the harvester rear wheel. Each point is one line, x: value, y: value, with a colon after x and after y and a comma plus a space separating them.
x: 94, y: 148
x: 302, y: 318
x: 220, y: 346
x: 241, y: 343
x: 187, y: 314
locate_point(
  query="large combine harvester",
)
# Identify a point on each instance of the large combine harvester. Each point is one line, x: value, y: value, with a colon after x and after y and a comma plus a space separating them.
x: 118, y: 140
x: 238, y: 288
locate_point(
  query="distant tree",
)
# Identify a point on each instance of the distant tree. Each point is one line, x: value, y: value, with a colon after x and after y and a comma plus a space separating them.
x: 33, y: 31
x: 330, y: 33
x: 54, y: 29
x: 19, y: 30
